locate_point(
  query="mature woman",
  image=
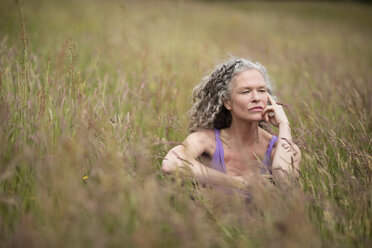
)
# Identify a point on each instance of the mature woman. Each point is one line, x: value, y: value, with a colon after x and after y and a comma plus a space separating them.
x: 230, y: 143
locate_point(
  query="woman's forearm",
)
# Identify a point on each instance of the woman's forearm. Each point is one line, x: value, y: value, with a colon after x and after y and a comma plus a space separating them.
x: 286, y: 156
x: 204, y: 174
x: 184, y: 166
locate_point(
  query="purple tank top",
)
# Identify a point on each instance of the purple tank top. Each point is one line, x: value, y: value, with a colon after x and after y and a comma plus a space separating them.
x: 218, y: 161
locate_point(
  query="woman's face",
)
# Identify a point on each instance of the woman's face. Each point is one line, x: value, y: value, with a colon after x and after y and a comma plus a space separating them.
x: 248, y: 96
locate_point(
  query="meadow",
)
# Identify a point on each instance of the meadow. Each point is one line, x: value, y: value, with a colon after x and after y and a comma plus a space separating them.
x: 94, y: 93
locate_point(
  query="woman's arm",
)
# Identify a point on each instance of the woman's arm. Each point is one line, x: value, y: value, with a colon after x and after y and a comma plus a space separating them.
x: 181, y: 160
x: 287, y: 156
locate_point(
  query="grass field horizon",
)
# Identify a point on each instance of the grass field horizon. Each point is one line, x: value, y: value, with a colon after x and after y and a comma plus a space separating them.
x: 94, y: 93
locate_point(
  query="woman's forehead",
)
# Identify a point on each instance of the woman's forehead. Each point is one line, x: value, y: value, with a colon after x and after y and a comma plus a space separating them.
x: 249, y: 78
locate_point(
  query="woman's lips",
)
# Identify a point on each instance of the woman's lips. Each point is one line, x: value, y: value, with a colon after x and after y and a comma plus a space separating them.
x: 256, y: 109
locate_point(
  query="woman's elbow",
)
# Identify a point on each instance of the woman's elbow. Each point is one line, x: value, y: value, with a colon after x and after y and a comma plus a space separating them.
x: 296, y: 160
x: 167, y: 166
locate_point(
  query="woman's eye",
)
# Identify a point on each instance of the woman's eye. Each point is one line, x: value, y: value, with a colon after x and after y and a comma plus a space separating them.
x: 245, y: 92
x: 262, y: 90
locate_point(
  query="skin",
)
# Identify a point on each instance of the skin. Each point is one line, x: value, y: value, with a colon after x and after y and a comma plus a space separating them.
x: 244, y: 142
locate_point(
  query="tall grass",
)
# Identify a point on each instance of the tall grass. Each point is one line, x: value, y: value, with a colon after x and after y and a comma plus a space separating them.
x: 94, y: 93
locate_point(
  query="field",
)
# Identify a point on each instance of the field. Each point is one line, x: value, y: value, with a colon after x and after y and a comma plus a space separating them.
x: 94, y: 93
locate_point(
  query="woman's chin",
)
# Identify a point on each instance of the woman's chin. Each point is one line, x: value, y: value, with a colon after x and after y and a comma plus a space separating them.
x: 255, y: 119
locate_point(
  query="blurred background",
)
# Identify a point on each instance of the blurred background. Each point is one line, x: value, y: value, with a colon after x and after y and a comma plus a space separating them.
x: 94, y: 93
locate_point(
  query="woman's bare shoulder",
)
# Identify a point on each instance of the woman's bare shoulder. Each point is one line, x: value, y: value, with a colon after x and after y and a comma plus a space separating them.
x: 202, y: 134
x: 202, y: 141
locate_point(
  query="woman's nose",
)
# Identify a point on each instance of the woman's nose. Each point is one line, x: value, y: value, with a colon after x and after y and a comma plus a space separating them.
x: 255, y: 96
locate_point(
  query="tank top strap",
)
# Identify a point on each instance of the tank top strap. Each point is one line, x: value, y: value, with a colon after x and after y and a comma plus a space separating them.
x: 218, y: 159
x: 271, y: 145
x: 267, y: 158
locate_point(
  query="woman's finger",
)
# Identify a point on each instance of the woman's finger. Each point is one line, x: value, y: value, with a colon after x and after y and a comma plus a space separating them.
x: 268, y: 108
x: 271, y: 99
x: 268, y: 176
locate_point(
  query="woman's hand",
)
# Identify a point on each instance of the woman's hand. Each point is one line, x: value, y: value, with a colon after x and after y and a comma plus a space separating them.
x: 286, y: 155
x: 244, y: 182
x: 274, y: 113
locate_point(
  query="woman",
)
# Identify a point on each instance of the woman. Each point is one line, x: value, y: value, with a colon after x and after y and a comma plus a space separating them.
x: 228, y: 145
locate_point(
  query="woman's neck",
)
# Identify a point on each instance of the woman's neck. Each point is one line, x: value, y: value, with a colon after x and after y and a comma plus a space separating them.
x: 243, y: 133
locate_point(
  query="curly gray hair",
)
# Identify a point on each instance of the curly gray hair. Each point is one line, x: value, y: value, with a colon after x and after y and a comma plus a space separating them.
x: 208, y: 110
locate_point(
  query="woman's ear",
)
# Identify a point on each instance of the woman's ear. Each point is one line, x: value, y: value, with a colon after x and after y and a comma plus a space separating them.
x: 227, y: 105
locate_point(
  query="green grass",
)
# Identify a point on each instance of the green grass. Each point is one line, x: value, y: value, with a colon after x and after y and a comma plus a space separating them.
x: 94, y: 93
